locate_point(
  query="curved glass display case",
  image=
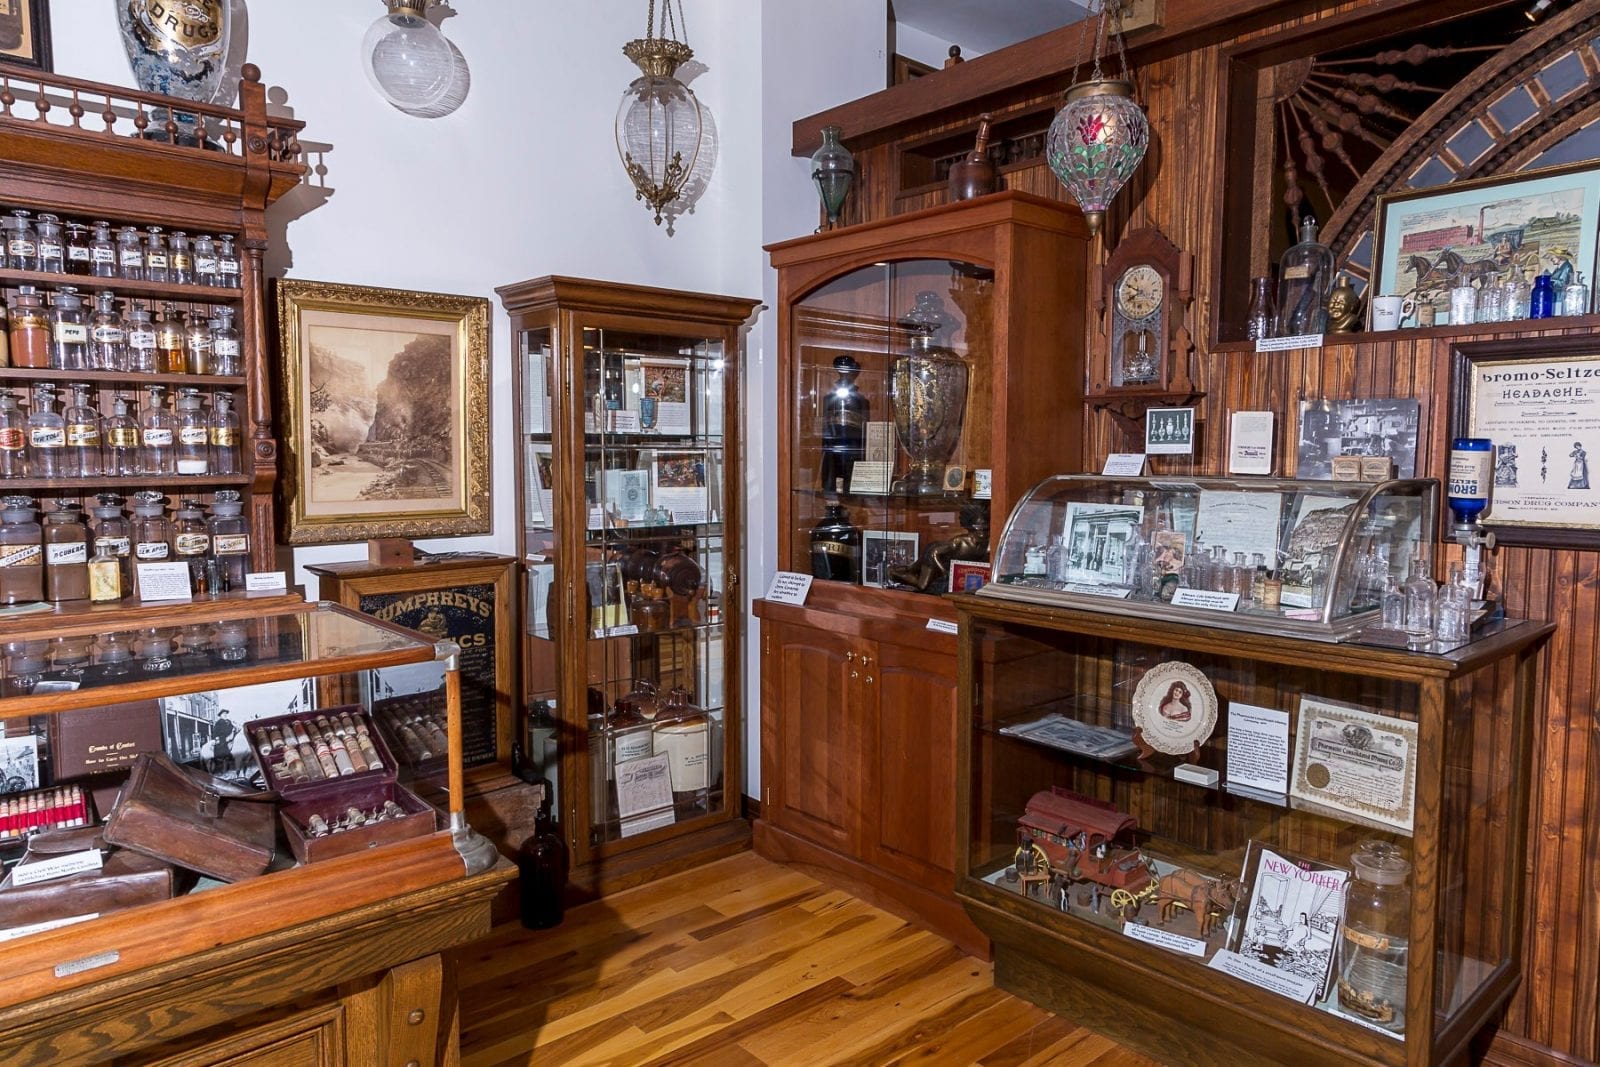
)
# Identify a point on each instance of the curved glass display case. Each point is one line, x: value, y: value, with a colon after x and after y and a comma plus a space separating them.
x: 1307, y: 558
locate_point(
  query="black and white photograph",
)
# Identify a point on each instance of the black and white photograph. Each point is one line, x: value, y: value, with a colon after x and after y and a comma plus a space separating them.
x: 19, y: 763
x: 1098, y: 539
x: 1363, y: 427
x: 883, y: 550
x: 1169, y: 431
x: 206, y: 730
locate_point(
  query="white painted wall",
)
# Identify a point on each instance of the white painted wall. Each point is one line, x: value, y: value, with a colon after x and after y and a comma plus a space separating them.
x: 925, y: 47
x: 524, y: 181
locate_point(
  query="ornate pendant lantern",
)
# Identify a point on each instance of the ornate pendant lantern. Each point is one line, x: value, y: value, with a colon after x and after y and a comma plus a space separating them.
x: 1099, y: 138
x: 659, y: 126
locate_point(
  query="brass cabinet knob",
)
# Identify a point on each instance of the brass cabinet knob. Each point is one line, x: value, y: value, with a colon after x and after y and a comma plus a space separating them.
x: 416, y: 1016
x: 869, y: 679
x: 849, y: 657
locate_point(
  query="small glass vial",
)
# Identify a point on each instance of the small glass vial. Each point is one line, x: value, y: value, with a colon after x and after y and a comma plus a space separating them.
x: 82, y: 457
x: 197, y: 347
x: 193, y: 451
x: 157, y: 261
x: 1058, y: 560
x: 1374, y: 946
x: 143, y: 355
x: 130, y: 255
x: 224, y: 436
x: 1239, y: 577
x: 22, y: 244
x: 228, y: 268
x: 157, y: 436
x: 225, y: 345
x: 191, y: 542
x: 206, y: 271
x: 21, y: 552
x: 1516, y: 293
x: 13, y: 438
x: 30, y: 329
x: 69, y: 331
x: 105, y: 575
x: 102, y: 252
x: 1575, y: 297
x: 51, y: 246
x: 66, y: 554
x: 80, y: 258
x: 182, y: 269
x: 47, y: 435
x: 1491, y: 304
x: 122, y: 440
x: 1261, y: 317
x: 230, y: 539
x: 170, y: 331
x: 1421, y: 598
x: 152, y: 531
x: 113, y: 534
x: 108, y: 337
x: 1393, y: 601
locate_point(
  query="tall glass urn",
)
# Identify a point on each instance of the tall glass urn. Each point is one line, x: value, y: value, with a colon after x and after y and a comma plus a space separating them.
x: 928, y: 387
x: 177, y: 48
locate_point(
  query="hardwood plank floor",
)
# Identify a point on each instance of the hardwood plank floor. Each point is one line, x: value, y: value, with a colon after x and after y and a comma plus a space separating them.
x: 747, y: 962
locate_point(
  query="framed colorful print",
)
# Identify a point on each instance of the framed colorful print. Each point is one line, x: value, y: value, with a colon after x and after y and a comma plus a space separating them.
x: 968, y: 577
x: 25, y: 33
x: 386, y: 412
x: 1539, y: 406
x: 1430, y: 241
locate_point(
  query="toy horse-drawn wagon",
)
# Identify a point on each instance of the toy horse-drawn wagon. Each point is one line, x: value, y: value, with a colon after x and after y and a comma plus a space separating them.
x: 1066, y: 837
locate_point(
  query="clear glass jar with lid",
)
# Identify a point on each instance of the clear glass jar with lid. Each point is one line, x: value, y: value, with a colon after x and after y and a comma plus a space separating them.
x: 182, y: 269
x: 25, y: 666
x: 122, y: 439
x: 157, y: 436
x: 157, y: 261
x: 114, y: 654
x: 102, y: 252
x: 224, y: 436
x: 113, y: 534
x: 82, y: 456
x: 69, y: 331
x: 80, y: 258
x: 193, y: 452
x: 21, y: 552
x: 152, y: 531
x: 197, y: 343
x: 228, y: 267
x: 1305, y: 276
x: 47, y: 434
x: 191, y: 541
x: 13, y: 438
x: 130, y: 254
x: 230, y: 539
x: 51, y: 246
x: 225, y: 344
x: 108, y: 337
x: 1376, y: 936
x: 143, y: 355
x: 22, y: 243
x: 205, y: 261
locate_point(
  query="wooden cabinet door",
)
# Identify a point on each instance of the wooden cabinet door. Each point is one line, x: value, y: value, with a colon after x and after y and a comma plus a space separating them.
x: 909, y: 806
x: 810, y: 733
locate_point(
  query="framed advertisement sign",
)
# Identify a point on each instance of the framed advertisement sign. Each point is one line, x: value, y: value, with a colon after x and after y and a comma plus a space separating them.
x: 468, y: 599
x: 1539, y: 406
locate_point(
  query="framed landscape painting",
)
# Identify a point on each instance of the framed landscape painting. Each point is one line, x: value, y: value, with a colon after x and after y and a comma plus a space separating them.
x: 385, y: 411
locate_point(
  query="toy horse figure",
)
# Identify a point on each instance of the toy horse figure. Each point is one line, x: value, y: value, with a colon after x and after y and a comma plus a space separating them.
x: 1207, y: 898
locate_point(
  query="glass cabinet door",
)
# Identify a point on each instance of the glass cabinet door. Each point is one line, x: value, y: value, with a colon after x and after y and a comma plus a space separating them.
x: 891, y: 453
x: 655, y: 497
x: 542, y: 605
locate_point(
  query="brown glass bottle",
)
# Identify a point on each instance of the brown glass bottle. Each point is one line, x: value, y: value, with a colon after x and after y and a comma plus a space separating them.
x: 66, y: 548
x: 542, y: 866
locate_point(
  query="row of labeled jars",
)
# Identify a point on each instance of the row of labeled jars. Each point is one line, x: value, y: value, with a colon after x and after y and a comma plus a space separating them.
x: 120, y: 654
x: 65, y: 559
x: 47, y: 244
x: 66, y: 335
x: 189, y: 439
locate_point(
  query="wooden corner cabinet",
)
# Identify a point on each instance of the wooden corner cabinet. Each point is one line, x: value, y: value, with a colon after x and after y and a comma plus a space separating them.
x: 1203, y: 907
x: 930, y: 371
x: 629, y: 493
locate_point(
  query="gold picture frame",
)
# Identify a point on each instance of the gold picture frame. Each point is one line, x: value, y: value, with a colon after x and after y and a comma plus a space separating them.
x: 361, y: 459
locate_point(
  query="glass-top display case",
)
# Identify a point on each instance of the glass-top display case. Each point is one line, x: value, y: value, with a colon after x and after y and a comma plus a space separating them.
x: 1308, y: 558
x: 629, y: 505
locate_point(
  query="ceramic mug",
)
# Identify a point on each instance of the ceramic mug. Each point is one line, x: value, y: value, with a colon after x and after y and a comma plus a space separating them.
x: 1388, y: 311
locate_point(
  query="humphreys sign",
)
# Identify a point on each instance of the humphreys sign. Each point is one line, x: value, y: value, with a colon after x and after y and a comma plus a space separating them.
x: 179, y: 29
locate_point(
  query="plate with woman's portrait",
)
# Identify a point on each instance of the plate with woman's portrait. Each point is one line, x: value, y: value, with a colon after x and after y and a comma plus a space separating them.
x: 1175, y: 708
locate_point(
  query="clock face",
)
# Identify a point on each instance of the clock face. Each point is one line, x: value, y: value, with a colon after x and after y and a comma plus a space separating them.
x: 1140, y: 292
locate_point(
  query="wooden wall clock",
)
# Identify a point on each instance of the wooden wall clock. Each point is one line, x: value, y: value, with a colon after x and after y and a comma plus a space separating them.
x: 1143, y: 297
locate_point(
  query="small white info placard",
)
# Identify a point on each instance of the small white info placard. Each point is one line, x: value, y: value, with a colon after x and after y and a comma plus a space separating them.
x: 1209, y: 599
x: 789, y: 587
x: 1124, y: 465
x: 65, y: 865
x: 164, y: 581
x: 1164, y: 939
x: 1284, y: 344
x: 1283, y: 983
x: 943, y: 626
x: 266, y: 582
x: 1258, y: 747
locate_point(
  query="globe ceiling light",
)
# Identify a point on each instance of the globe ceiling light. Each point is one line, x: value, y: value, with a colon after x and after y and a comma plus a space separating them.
x: 1099, y: 138
x: 659, y: 125
x: 407, y: 59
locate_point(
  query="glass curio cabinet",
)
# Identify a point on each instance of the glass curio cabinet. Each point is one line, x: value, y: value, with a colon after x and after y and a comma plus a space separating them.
x: 628, y: 501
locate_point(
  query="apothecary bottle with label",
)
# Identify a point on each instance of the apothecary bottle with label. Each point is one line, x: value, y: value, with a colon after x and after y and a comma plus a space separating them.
x: 66, y: 553
x: 193, y: 455
x: 105, y: 576
x: 13, y: 438
x: 152, y: 531
x: 108, y: 337
x: 82, y: 458
x: 205, y: 261
x: 191, y: 541
x: 228, y: 264
x: 52, y: 247
x: 69, y: 331
x: 30, y: 329
x: 225, y: 344
x: 130, y: 254
x: 224, y: 436
x: 143, y: 355
x: 113, y: 534
x: 197, y: 346
x: 157, y: 262
x: 80, y: 256
x: 1374, y: 947
x: 1305, y: 276
x: 230, y: 539
x: 121, y: 434
x: 182, y: 270
x: 21, y: 552
x: 47, y: 434
x: 170, y: 329
x: 22, y: 246
x: 102, y: 252
x: 157, y: 433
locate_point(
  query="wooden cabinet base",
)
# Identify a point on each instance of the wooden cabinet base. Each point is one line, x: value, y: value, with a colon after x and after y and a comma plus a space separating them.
x: 931, y: 907
x: 612, y: 874
x: 365, y: 986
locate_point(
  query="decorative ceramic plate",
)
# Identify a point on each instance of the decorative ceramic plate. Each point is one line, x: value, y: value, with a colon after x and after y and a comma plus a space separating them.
x: 1175, y: 707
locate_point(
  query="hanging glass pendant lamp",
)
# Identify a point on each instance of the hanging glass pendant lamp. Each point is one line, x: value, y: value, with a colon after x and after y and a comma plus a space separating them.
x: 659, y: 126
x: 1098, y: 139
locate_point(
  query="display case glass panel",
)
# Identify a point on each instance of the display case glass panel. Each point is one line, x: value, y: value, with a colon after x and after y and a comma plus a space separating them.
x: 542, y: 609
x: 1310, y: 558
x: 894, y: 376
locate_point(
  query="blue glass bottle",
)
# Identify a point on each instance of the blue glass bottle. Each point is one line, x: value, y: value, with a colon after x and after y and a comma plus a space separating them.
x: 1471, y: 474
x: 1542, y: 304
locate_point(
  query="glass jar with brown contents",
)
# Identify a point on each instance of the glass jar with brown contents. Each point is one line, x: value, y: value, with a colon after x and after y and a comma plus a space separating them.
x: 66, y: 553
x: 21, y: 552
x: 30, y: 329
x: 170, y: 328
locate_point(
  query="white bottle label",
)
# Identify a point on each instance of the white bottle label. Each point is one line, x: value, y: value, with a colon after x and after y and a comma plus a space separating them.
x: 192, y: 435
x: 158, y: 261
x: 1469, y: 474
x: 59, y: 555
x: 117, y: 546
x: 22, y: 248
x: 47, y: 436
x: 229, y: 266
x: 151, y: 550
x: 49, y: 250
x: 231, y: 544
x: 71, y: 333
x: 191, y: 544
x: 109, y: 335
x: 142, y: 338
x: 104, y: 255
x: 132, y: 258
x: 226, y: 347
x: 78, y: 253
x: 205, y: 264
x: 158, y: 438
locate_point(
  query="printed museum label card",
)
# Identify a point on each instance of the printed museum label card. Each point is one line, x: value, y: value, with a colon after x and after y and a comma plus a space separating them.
x: 163, y: 581
x: 62, y: 866
x: 1357, y: 763
x: 644, y: 794
x: 1240, y: 522
x: 789, y: 587
x: 1285, y: 344
x: 1283, y: 983
x: 1124, y: 465
x: 1250, y: 442
x: 1172, y: 942
x: 1209, y: 599
x: 943, y: 626
x: 871, y: 478
x: 266, y: 582
x: 1258, y: 748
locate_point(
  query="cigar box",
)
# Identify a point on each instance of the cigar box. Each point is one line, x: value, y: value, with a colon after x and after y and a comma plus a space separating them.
x: 332, y: 798
x: 193, y: 820
x: 126, y: 879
